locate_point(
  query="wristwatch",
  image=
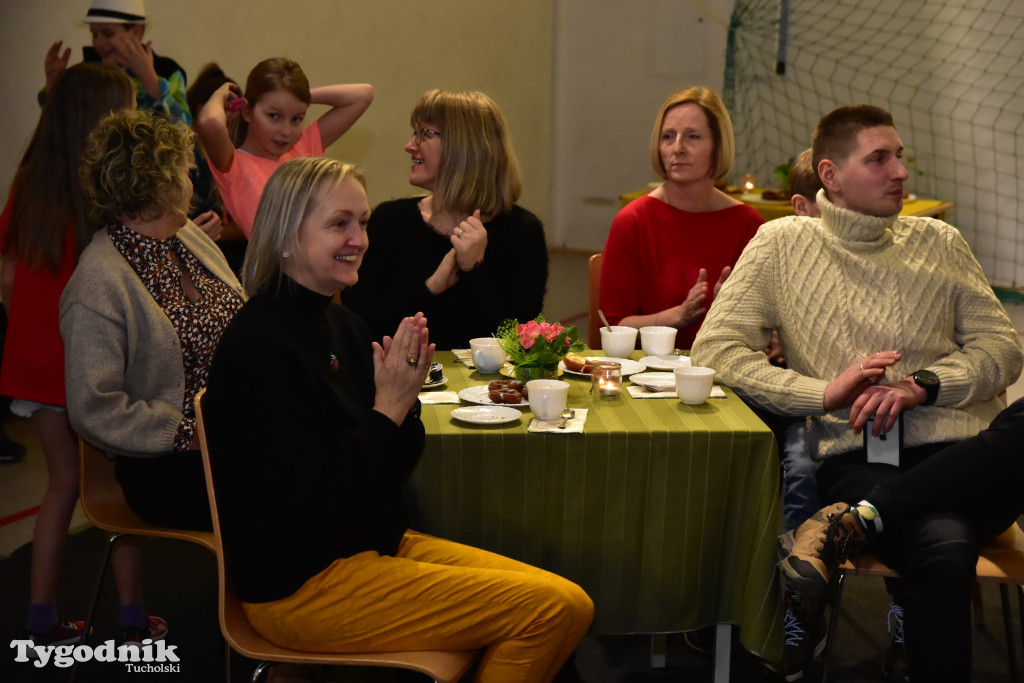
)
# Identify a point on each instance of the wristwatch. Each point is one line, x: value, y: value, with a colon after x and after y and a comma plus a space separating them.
x: 929, y: 381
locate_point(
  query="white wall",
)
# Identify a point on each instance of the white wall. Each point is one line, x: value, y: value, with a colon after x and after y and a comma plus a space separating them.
x: 615, y: 64
x: 402, y: 48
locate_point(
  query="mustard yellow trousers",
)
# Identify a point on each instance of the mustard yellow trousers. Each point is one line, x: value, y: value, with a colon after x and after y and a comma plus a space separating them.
x: 435, y: 594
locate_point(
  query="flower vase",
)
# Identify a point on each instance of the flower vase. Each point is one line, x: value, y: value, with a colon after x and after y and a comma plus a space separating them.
x: 529, y: 371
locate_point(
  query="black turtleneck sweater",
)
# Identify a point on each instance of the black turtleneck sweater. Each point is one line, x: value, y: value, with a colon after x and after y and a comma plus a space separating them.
x: 306, y: 471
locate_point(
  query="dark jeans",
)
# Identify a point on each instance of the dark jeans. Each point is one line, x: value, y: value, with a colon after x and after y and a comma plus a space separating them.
x: 937, y: 508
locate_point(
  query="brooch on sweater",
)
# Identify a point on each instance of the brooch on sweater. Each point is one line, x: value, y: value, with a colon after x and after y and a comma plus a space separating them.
x: 334, y: 363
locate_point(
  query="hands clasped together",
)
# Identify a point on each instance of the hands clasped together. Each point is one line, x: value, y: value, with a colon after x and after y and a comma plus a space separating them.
x: 859, y: 386
x: 400, y: 367
x: 469, y: 242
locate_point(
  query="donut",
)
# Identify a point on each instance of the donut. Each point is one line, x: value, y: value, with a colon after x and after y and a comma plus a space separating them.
x: 504, y: 395
x: 513, y: 384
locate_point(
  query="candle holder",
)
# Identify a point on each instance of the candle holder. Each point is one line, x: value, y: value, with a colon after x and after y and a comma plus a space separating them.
x: 606, y: 379
x: 748, y: 182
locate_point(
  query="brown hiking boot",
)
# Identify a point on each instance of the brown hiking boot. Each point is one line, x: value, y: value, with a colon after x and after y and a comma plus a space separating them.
x: 822, y: 543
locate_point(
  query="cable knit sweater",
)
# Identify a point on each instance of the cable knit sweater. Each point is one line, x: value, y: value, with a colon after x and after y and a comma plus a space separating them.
x: 844, y: 287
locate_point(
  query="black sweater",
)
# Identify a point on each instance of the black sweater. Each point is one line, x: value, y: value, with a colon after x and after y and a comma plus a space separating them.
x: 404, y: 251
x: 306, y: 472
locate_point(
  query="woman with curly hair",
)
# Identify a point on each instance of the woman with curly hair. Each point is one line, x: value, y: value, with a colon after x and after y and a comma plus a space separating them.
x: 142, y: 315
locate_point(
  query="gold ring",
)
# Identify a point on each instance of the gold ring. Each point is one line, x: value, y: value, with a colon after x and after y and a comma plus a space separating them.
x: 460, y: 232
x: 412, y: 360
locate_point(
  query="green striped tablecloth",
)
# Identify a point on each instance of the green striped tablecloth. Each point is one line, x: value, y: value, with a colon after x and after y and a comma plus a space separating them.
x: 666, y: 514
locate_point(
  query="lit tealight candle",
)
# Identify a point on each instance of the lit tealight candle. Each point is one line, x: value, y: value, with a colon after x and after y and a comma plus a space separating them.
x: 607, y: 379
x: 748, y: 182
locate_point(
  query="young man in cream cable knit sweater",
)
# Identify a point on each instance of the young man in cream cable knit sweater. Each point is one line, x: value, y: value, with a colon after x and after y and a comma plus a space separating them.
x: 888, y: 316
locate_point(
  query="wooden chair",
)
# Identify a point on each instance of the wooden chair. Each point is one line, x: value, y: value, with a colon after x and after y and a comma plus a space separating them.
x: 1001, y: 561
x: 442, y: 666
x: 103, y: 502
x: 594, y: 301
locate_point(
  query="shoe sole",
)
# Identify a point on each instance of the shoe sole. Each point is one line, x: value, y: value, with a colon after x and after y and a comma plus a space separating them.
x: 806, y: 589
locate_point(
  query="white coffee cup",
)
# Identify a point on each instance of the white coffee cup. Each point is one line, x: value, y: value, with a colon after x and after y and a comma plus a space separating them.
x: 658, y: 340
x: 693, y: 384
x: 487, y: 354
x: 547, y: 398
x: 618, y: 342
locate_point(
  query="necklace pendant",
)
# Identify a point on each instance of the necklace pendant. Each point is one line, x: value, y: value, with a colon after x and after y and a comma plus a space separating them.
x: 334, y: 363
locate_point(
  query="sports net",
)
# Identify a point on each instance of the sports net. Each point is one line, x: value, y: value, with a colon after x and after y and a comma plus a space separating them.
x: 950, y: 71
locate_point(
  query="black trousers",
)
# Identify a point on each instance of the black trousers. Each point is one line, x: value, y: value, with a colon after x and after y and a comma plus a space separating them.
x: 937, y: 508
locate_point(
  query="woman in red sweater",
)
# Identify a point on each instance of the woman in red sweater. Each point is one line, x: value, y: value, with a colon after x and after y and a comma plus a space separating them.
x: 665, y: 249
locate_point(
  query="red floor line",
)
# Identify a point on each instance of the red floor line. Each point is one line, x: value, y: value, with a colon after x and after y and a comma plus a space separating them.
x: 10, y: 519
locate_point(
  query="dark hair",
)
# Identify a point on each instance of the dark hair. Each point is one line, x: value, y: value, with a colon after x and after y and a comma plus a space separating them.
x: 835, y: 137
x: 205, y: 84
x: 277, y: 73
x: 47, y: 197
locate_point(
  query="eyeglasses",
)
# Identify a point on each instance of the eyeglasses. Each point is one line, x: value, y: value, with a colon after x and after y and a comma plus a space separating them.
x: 425, y: 134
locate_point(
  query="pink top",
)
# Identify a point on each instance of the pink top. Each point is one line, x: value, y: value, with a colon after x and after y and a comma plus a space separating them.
x: 655, y: 251
x: 242, y: 184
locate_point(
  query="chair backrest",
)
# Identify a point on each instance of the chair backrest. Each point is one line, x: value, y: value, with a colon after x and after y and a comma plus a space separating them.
x: 242, y: 637
x: 104, y: 504
x: 594, y: 301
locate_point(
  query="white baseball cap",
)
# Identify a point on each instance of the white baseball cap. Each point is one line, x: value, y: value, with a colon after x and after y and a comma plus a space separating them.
x: 116, y: 12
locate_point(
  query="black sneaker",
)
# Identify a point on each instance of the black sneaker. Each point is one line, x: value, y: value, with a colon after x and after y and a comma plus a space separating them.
x: 156, y: 629
x: 895, y: 667
x: 804, y: 642
x: 822, y: 543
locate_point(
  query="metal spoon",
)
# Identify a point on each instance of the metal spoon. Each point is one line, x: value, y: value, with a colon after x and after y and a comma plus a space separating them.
x: 566, y: 415
x: 604, y: 320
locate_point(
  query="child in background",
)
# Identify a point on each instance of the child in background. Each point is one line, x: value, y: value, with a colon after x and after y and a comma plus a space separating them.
x: 44, y: 228
x: 266, y: 128
x: 207, y: 206
x: 803, y: 187
x: 117, y: 28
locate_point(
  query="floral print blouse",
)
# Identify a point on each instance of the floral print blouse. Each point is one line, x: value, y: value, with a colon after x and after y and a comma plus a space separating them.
x: 198, y: 323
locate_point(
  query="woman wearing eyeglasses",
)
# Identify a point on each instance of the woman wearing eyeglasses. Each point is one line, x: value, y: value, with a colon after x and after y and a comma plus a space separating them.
x: 465, y: 255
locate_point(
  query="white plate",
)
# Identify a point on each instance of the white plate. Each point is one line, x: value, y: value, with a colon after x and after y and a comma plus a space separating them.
x: 486, y: 415
x: 669, y: 362
x: 478, y: 395
x: 431, y: 385
x: 628, y: 366
x: 656, y: 381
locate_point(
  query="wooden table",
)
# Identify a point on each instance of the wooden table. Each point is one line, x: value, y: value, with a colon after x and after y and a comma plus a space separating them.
x: 666, y: 514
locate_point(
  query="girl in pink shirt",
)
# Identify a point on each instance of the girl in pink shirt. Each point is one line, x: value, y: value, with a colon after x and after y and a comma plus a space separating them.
x: 266, y: 127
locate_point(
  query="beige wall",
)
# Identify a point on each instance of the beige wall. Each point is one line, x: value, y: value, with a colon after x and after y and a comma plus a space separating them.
x: 402, y: 48
x: 579, y: 81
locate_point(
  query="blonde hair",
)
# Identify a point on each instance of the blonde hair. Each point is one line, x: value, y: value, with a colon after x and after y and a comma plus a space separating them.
x: 136, y: 166
x: 718, y: 121
x: 478, y: 168
x: 291, y: 194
